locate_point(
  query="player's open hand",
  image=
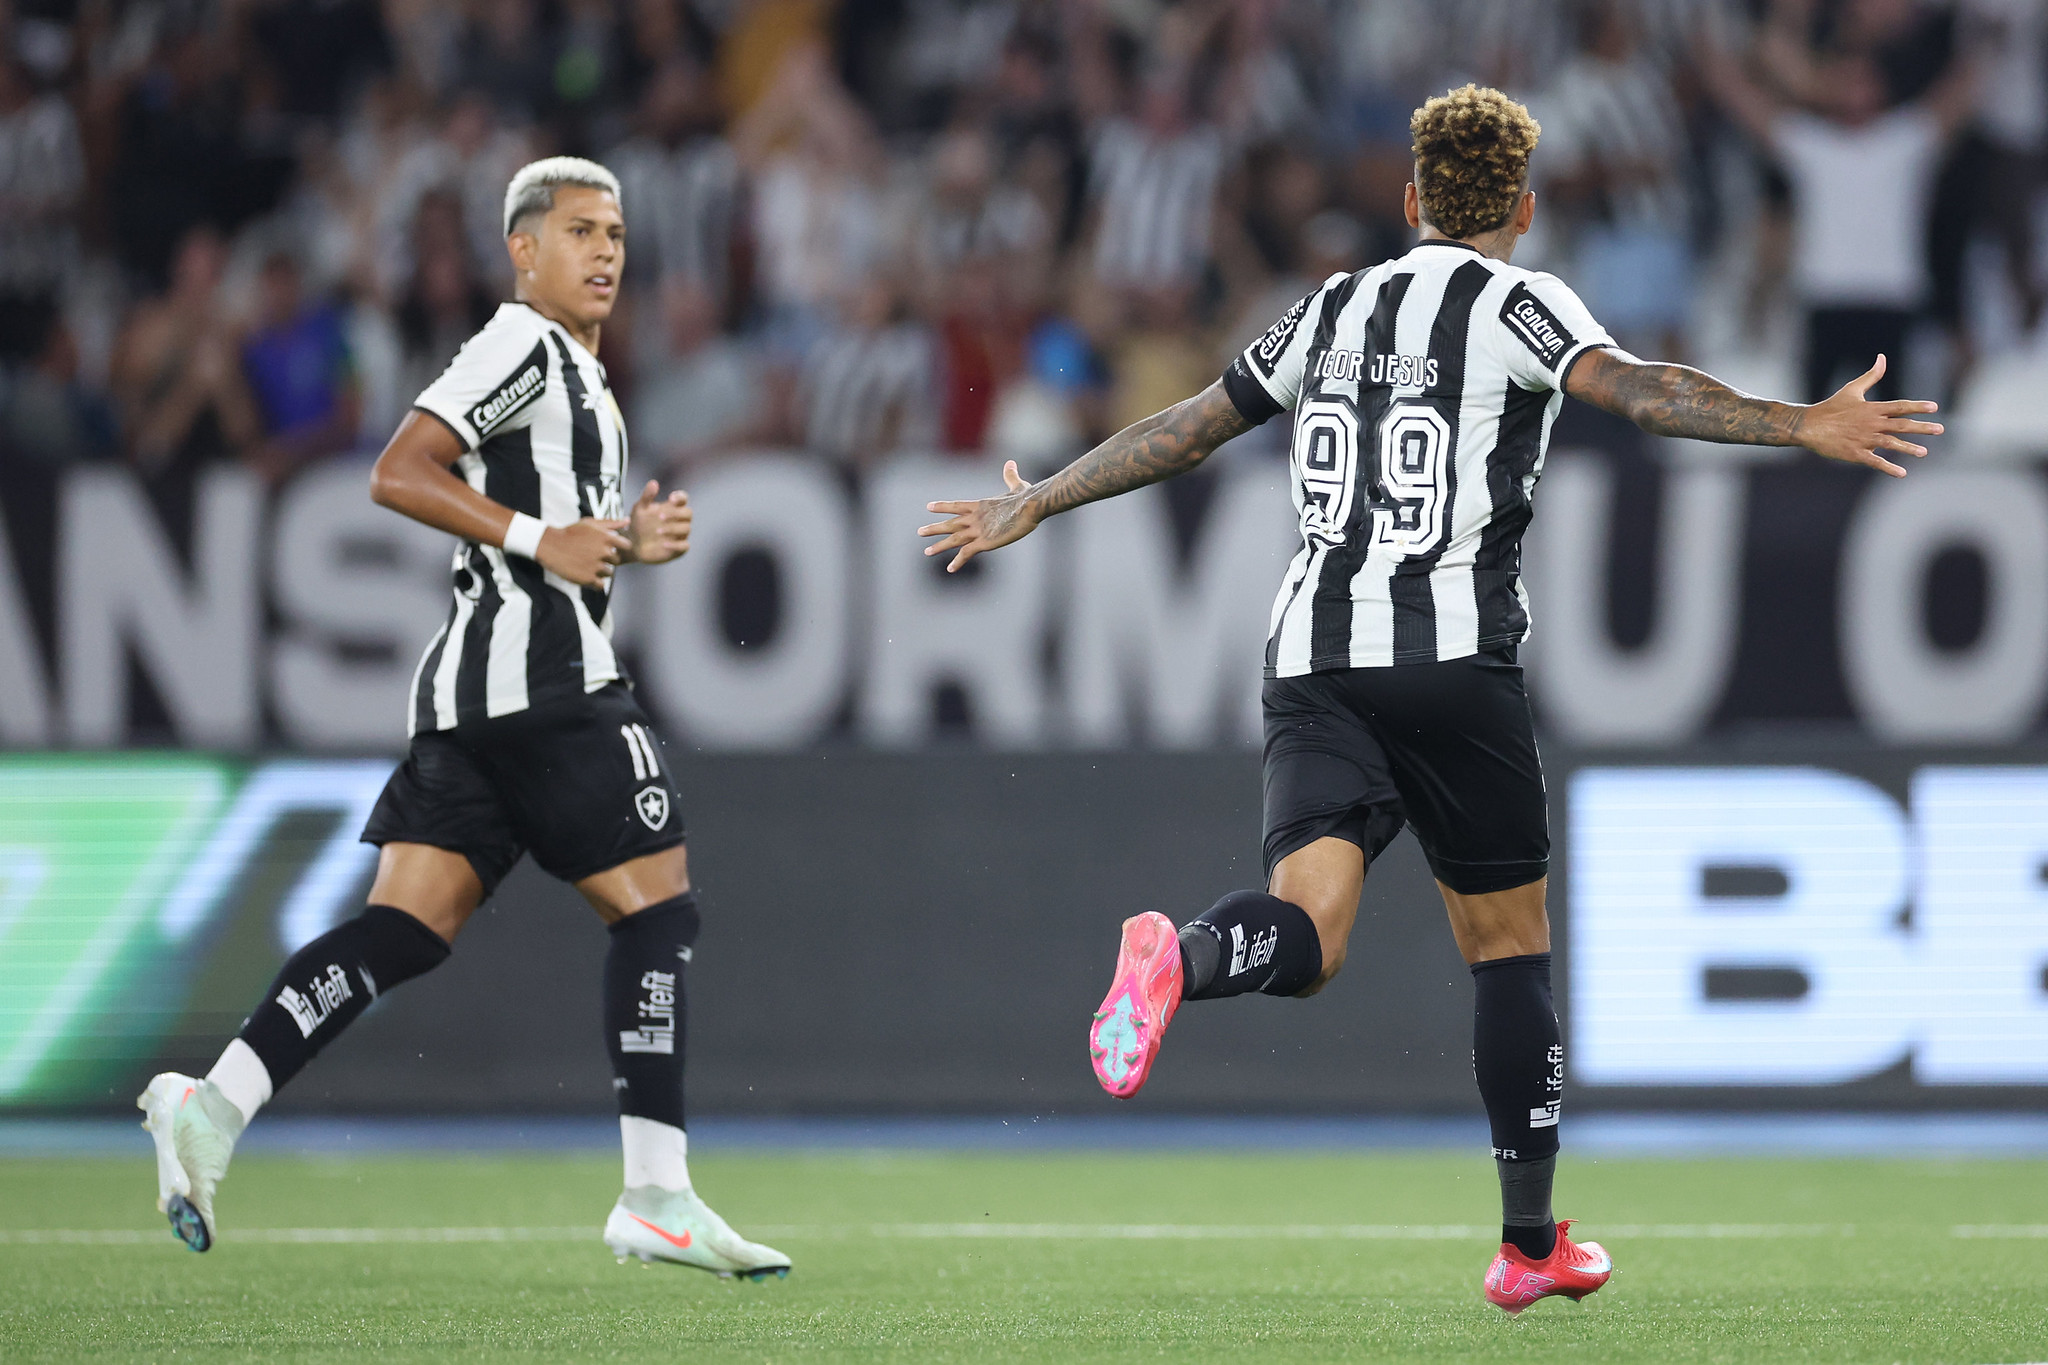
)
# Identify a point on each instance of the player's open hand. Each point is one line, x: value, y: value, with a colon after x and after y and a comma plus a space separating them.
x: 1850, y: 428
x: 660, y: 527
x: 986, y: 524
x: 585, y: 553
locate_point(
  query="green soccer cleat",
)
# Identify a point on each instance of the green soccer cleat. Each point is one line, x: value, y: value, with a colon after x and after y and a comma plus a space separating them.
x: 676, y: 1226
x: 195, y: 1128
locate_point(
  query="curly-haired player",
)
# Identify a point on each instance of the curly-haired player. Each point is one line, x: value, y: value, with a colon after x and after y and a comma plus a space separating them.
x: 1422, y: 393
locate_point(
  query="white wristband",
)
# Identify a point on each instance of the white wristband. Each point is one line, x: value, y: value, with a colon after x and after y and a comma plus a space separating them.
x: 522, y: 537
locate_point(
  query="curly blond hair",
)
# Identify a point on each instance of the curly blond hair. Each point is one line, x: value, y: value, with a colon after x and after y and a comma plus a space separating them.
x: 1472, y: 151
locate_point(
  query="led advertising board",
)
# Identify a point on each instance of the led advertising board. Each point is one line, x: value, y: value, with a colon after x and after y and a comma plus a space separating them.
x: 1798, y: 926
x: 1766, y: 934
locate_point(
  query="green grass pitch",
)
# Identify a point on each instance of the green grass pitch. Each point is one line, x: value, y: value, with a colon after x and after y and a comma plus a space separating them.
x: 1042, y: 1257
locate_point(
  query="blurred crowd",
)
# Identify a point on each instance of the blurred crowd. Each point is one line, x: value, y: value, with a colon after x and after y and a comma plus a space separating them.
x: 253, y: 230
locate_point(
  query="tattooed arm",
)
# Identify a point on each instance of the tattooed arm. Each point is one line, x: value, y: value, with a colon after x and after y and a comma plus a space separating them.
x: 1163, y: 445
x: 1675, y: 400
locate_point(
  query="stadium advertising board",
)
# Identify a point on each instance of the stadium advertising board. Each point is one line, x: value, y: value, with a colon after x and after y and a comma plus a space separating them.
x: 1853, y: 932
x: 1799, y: 926
x: 135, y: 886
x: 1676, y: 599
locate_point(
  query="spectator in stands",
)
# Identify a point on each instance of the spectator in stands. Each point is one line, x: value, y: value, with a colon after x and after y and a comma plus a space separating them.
x: 1862, y: 180
x: 176, y: 375
x: 503, y: 55
x: 296, y: 361
x: 2009, y: 138
x: 1161, y: 350
x: 1153, y: 181
x: 681, y: 184
x: 473, y: 155
x: 48, y: 414
x: 42, y: 177
x: 867, y: 386
x: 445, y: 303
x: 817, y: 211
x: 319, y: 50
x: 1614, y: 147
x: 182, y: 155
x: 980, y: 248
x: 707, y: 393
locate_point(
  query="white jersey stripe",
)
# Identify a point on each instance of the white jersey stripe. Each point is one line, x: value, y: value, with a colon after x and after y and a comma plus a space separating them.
x: 1457, y: 610
x: 505, y: 679
x: 419, y: 669
x: 451, y: 664
x: 1294, y: 624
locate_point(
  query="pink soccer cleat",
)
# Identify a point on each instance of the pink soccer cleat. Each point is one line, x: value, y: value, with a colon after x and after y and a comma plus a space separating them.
x: 1125, y: 1036
x: 1573, y: 1269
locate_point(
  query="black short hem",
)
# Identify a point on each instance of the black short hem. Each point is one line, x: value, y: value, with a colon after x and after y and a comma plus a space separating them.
x: 1483, y: 879
x: 1371, y: 830
x: 582, y: 787
x: 573, y: 875
x: 484, y: 875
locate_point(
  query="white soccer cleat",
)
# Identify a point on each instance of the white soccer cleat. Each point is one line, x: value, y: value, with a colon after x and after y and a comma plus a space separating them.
x: 668, y: 1225
x: 195, y: 1128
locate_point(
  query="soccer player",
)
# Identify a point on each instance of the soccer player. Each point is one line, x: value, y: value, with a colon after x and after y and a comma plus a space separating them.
x: 1423, y: 391
x: 525, y: 735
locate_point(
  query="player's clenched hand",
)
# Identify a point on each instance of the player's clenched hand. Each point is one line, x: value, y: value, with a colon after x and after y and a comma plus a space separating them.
x: 659, y: 527
x: 585, y: 553
x: 987, y: 524
x: 1850, y: 428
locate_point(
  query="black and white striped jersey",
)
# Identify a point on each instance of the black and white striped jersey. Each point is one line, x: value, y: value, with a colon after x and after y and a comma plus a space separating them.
x: 541, y: 434
x: 1423, y: 392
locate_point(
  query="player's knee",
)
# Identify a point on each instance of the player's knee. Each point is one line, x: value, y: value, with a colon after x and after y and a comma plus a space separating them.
x: 1333, y: 962
x: 1333, y: 935
x: 676, y: 917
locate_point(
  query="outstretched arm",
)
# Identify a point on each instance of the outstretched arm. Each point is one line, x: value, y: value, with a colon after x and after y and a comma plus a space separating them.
x: 1163, y: 445
x: 1676, y: 400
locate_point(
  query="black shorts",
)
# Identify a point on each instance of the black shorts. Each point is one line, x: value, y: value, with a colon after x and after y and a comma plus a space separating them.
x: 581, y: 783
x: 1448, y: 748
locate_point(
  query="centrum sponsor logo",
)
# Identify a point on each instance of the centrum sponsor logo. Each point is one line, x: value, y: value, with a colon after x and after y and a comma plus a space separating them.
x: 501, y: 404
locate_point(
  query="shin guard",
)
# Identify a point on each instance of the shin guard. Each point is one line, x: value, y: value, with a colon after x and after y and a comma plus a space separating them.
x: 325, y: 985
x: 1250, y: 941
x: 643, y: 1008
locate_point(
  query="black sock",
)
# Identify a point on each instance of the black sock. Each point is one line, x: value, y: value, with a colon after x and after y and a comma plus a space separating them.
x: 1518, y: 1059
x: 643, y: 1008
x: 327, y: 983
x: 1525, y: 1205
x: 1249, y: 941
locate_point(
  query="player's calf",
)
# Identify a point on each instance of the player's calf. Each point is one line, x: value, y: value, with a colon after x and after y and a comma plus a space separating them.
x: 660, y: 1217
x: 1250, y: 941
x: 326, y: 985
x: 1518, y: 1060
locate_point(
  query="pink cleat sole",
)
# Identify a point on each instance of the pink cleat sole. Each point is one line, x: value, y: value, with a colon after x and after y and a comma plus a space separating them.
x: 1128, y: 1028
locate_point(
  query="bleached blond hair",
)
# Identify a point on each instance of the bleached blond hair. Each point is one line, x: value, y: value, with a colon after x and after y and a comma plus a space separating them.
x: 533, y: 188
